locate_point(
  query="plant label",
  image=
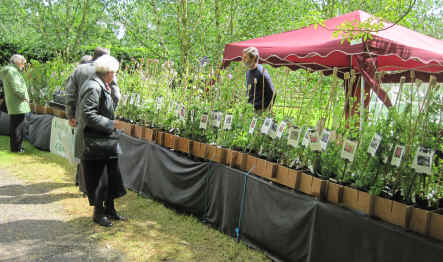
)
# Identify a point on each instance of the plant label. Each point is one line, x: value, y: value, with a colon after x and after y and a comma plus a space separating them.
x: 227, y: 125
x: 137, y: 100
x: 192, y: 115
x: 216, y: 117
x: 41, y: 93
x: 423, y: 160
x: 306, y: 140
x: 273, y: 130
x: 124, y: 100
x: 349, y: 149
x: 159, y: 103
x: 281, y: 129
x: 132, y: 99
x: 386, y: 155
x: 375, y: 143
x: 399, y: 151
x: 252, y: 125
x: 204, y: 122
x: 314, y: 141
x: 266, y: 126
x: 325, y: 136
x: 182, y: 113
x: 294, y: 136
x: 177, y: 110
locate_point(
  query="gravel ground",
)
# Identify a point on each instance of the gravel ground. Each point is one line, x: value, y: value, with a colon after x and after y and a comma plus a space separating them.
x: 33, y: 227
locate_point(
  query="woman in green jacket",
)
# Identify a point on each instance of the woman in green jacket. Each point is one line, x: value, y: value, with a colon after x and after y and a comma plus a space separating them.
x: 17, y: 99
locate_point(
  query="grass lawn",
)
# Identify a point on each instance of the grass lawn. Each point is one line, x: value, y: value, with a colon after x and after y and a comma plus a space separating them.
x: 153, y: 232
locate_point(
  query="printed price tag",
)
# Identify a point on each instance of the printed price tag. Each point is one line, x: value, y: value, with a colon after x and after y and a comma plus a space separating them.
x: 375, y: 143
x: 294, y: 136
x: 227, y: 125
x: 252, y: 125
x: 349, y: 149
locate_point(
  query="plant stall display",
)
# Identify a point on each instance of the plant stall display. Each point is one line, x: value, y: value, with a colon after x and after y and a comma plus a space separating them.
x: 395, y: 152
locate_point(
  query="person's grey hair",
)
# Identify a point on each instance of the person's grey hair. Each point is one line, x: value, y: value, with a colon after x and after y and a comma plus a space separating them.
x: 16, y: 59
x: 252, y: 52
x: 99, y: 51
x: 105, y: 64
x: 85, y: 59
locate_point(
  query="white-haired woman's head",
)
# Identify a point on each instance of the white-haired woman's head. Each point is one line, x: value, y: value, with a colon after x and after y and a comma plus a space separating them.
x: 18, y: 60
x: 105, y: 67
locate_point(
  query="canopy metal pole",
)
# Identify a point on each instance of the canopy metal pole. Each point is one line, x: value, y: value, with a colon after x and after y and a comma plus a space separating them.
x: 362, y: 102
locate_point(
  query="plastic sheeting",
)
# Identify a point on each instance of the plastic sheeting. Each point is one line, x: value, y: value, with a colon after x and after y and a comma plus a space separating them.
x: 38, y: 130
x: 289, y: 225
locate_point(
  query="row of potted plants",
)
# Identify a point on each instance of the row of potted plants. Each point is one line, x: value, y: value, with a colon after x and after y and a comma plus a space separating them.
x: 411, y: 218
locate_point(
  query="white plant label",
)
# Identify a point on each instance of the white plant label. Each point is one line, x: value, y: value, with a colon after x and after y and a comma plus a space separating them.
x: 159, y: 103
x: 124, y: 100
x: 131, y: 99
x: 294, y: 136
x: 252, y: 125
x: 227, y: 125
x: 281, y: 129
x: 182, y: 113
x: 306, y: 140
x: 266, y: 126
x: 273, y: 130
x: 137, y: 100
x: 375, y: 143
x: 397, y: 157
x: 349, y: 149
x: 216, y: 119
x: 325, y: 136
x: 423, y: 160
x: 314, y: 141
x: 204, y: 121
x: 177, y: 110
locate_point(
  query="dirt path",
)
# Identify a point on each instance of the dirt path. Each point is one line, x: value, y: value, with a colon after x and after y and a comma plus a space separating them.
x: 33, y: 226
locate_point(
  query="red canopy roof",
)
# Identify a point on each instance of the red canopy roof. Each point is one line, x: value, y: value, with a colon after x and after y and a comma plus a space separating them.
x: 394, y: 49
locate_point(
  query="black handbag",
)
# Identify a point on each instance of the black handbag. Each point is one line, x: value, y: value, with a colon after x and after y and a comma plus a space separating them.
x: 99, y: 146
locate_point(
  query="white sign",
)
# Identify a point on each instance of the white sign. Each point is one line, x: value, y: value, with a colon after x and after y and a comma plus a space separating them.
x: 182, y: 113
x: 325, y: 136
x: 62, y: 139
x: 294, y: 136
x: 314, y: 141
x: 204, y: 122
x: 349, y: 149
x: 159, y: 103
x: 216, y: 119
x: 423, y: 160
x: 272, y: 132
x: 252, y: 126
x: 227, y: 125
x: 306, y: 140
x: 281, y: 129
x: 375, y: 143
x: 399, y: 151
x: 266, y: 126
x: 124, y: 100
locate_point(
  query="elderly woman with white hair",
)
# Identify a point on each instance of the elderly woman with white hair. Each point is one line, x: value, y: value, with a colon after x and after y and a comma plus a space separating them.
x: 98, y: 145
x: 17, y: 99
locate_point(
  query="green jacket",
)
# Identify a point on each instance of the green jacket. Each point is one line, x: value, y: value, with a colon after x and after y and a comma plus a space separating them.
x: 16, y: 93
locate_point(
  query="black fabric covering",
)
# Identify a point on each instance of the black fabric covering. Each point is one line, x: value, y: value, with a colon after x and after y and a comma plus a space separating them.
x: 289, y: 225
x: 4, y: 124
x: 38, y: 130
x: 168, y: 177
